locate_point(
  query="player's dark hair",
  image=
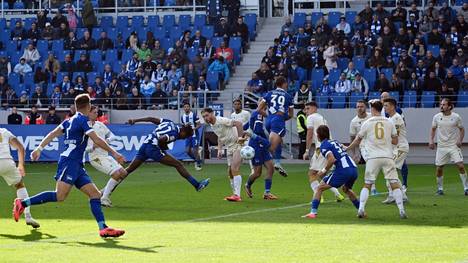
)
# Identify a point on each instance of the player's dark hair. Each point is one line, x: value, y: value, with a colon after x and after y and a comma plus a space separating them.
x: 82, y: 101
x: 185, y: 103
x: 323, y: 132
x: 376, y: 105
x: 237, y: 100
x: 280, y: 81
x: 362, y: 101
x: 391, y: 101
x: 312, y: 104
x: 187, y: 129
x: 449, y: 102
x: 209, y: 110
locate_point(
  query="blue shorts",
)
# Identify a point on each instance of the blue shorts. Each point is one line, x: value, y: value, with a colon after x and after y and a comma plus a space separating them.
x: 150, y: 151
x: 191, y: 142
x: 276, y: 123
x: 262, y: 155
x: 341, y: 177
x: 72, y: 172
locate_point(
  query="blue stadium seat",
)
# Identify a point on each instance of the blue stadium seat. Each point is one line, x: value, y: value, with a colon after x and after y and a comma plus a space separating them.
x: 95, y: 55
x: 159, y: 32
x: 125, y: 32
x: 5, y: 35
x: 354, y: 98
x: 19, y: 88
x: 57, y: 45
x: 199, y: 21
x: 370, y: 75
x: 15, y: 57
x: 3, y: 23
x: 216, y: 41
x: 77, y: 74
x: 111, y: 55
x: 141, y: 32
x: 322, y: 100
x: 315, y: 17
x: 207, y: 31
x: 117, y: 66
x: 80, y: 32
x: 185, y: 21
x: 42, y: 45
x: 14, y: 79
x: 350, y: 16
x: 169, y: 21
x: 410, y: 99
x: 13, y: 21
x: 301, y: 76
x: 192, y: 53
x: 122, y: 22
x: 435, y: 49
x: 395, y: 95
x: 374, y: 95
x: 91, y: 76
x: 99, y: 67
x: 338, y: 101
x: 251, y: 21
x: 29, y: 78
x: 60, y: 76
x: 18, y: 5
x: 78, y: 54
x: 138, y: 22
x: 112, y: 32
x: 462, y: 99
x: 342, y: 63
x: 96, y: 33
x: 299, y: 19
x: 50, y: 89
x: 427, y: 99
x: 334, y: 76
x: 316, y: 76
x: 236, y: 44
x: 388, y: 73
x: 127, y: 55
x: 106, y: 22
x: 166, y: 43
x: 212, y: 78
x: 153, y: 21
x: 175, y: 33
x: 334, y: 18
x: 28, y: 22
x: 24, y: 44
x: 359, y: 63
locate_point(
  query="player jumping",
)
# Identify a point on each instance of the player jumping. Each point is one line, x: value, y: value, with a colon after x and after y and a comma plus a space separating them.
x: 279, y: 105
x: 344, y: 175
x: 261, y: 145
x: 191, y: 144
x: 70, y: 171
x: 155, y: 147
x: 100, y: 159
x: 14, y: 175
x: 227, y: 135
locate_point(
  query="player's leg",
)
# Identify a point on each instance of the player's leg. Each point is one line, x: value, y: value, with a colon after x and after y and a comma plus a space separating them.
x: 404, y: 175
x: 442, y: 158
x: 316, y: 199
x: 22, y: 193
x: 373, y: 168
x: 270, y: 169
x: 351, y: 195
x: 196, y: 154
x: 116, y: 177
x: 94, y: 195
x: 391, y: 176
x: 256, y: 173
x: 235, y: 172
x: 169, y: 160
x: 457, y: 158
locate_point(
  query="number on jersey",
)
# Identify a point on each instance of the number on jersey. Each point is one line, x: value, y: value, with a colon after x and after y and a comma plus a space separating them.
x: 379, y: 130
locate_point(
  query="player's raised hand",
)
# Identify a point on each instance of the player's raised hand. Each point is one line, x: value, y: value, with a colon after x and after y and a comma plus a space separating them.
x: 305, y: 156
x: 131, y: 121
x: 220, y: 154
x: 35, y: 155
x: 21, y: 170
x: 459, y: 144
x: 241, y: 140
x: 431, y: 146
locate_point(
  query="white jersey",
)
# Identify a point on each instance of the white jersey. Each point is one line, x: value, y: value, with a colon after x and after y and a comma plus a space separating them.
x: 190, y: 118
x: 356, y: 124
x: 448, y: 129
x: 242, y: 117
x: 103, y: 132
x: 225, y: 130
x: 5, y: 136
x: 314, y: 120
x: 400, y: 126
x: 378, y: 132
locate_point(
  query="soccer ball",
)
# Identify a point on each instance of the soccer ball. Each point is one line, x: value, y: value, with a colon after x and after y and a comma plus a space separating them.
x: 247, y: 153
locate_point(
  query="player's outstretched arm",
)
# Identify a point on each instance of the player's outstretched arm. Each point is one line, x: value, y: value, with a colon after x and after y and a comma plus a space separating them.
x: 101, y: 143
x: 58, y: 131
x: 239, y: 127
x: 290, y: 113
x: 261, y: 107
x: 356, y: 143
x: 21, y: 153
x: 431, y: 138
x: 462, y: 135
x: 146, y: 119
x: 330, y: 161
x: 309, y: 139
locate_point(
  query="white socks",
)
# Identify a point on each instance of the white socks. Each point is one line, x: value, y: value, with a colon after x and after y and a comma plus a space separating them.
x: 335, y: 191
x: 314, y: 185
x: 440, y: 182
x: 110, y: 186
x: 464, y: 181
x: 22, y: 194
x: 237, y: 184
x: 398, y: 195
x: 390, y: 190
x: 363, y: 198
x: 373, y: 187
x: 231, y: 181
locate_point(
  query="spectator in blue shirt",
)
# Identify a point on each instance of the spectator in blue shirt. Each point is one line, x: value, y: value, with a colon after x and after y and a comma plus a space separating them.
x: 222, y: 69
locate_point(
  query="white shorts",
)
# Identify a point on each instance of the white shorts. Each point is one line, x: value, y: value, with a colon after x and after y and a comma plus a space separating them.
x: 445, y: 155
x: 374, y: 166
x: 399, y: 157
x: 317, y: 161
x: 231, y: 149
x: 105, y: 164
x: 363, y: 153
x: 9, y: 172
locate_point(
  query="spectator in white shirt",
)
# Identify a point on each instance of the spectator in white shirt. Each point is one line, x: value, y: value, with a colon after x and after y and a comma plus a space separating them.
x: 344, y: 26
x: 359, y: 84
x: 343, y: 85
x: 31, y: 55
x: 22, y: 68
x: 147, y: 87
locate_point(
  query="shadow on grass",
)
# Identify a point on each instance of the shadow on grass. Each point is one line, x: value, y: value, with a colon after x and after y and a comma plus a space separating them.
x: 35, y: 235
x: 108, y: 244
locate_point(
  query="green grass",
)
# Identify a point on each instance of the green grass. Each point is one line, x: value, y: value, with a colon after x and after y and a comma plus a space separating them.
x: 167, y: 221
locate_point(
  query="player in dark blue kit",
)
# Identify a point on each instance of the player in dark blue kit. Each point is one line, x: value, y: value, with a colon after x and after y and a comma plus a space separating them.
x: 70, y: 171
x: 261, y: 145
x: 190, y: 117
x: 279, y: 105
x: 155, y: 147
x: 344, y: 175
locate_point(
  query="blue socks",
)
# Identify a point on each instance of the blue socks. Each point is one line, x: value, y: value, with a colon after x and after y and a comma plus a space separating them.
x: 193, y: 181
x: 96, y: 209
x: 268, y: 185
x: 315, y: 205
x: 277, y: 156
x: 404, y: 174
x: 355, y: 203
x: 249, y: 182
x: 41, y: 198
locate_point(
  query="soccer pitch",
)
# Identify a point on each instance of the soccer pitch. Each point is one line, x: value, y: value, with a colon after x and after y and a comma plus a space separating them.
x: 167, y: 221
